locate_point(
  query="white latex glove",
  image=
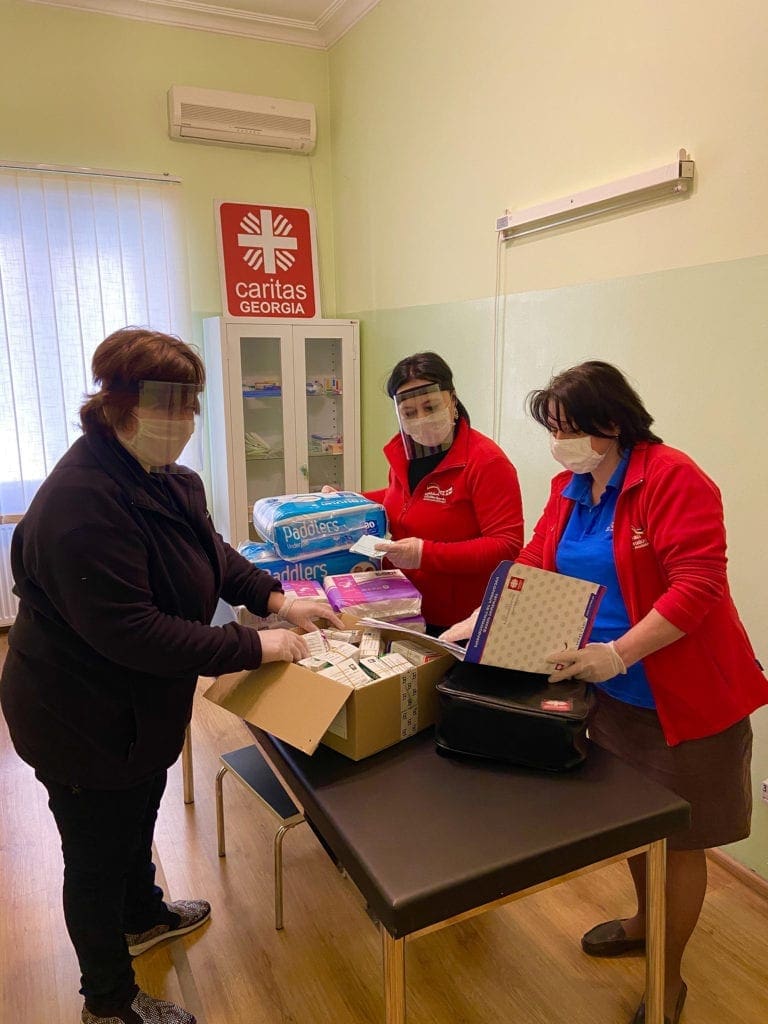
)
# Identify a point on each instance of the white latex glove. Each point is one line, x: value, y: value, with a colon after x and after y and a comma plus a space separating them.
x: 461, y: 630
x: 405, y: 553
x: 303, y: 611
x: 594, y: 663
x: 327, y: 489
x: 282, y: 645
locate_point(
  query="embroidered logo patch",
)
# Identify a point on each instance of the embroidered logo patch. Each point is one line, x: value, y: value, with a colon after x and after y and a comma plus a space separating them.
x: 639, y: 539
x: 438, y: 494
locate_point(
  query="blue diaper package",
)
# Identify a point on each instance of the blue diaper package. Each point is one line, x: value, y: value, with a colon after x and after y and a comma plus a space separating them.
x: 302, y: 526
x: 317, y: 568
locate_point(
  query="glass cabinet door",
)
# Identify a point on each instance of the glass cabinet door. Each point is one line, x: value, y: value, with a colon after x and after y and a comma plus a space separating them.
x: 327, y: 380
x: 263, y: 436
x: 262, y: 417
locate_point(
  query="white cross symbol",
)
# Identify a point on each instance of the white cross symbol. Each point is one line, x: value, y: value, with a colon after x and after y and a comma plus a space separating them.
x: 267, y: 241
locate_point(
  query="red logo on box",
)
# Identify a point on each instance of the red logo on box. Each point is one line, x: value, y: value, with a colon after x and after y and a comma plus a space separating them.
x: 268, y: 261
x: 515, y: 583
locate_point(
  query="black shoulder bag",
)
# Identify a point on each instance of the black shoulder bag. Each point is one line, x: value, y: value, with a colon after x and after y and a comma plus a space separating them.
x: 512, y: 716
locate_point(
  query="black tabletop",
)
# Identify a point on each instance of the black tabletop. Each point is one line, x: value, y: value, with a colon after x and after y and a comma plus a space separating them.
x: 426, y: 837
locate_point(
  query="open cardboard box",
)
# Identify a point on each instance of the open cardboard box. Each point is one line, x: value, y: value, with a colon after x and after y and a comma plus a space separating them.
x: 306, y: 709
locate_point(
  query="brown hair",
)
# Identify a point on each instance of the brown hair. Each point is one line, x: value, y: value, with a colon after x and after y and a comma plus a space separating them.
x: 126, y: 358
x: 594, y: 397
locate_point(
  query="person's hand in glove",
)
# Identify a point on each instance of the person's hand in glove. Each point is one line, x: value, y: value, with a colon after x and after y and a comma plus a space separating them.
x: 461, y: 630
x: 282, y: 645
x: 404, y: 554
x: 595, y: 663
x: 302, y: 611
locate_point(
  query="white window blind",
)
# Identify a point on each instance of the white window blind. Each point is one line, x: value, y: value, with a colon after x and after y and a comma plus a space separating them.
x: 80, y: 256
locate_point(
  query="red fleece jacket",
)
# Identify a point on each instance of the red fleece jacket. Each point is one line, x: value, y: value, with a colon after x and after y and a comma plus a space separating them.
x: 669, y: 547
x: 469, y: 513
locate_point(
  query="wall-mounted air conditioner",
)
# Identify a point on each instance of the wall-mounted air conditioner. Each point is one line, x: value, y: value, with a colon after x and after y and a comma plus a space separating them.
x: 210, y: 115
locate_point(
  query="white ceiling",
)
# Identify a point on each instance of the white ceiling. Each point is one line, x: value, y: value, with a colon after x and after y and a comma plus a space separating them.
x: 314, y: 23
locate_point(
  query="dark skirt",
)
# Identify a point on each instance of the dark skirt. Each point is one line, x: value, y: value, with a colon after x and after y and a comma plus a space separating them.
x: 712, y: 774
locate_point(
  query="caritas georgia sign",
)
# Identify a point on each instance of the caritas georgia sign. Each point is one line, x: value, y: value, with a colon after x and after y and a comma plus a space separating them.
x: 268, y: 261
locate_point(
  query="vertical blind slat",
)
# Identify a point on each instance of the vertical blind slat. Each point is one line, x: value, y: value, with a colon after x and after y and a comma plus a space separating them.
x: 79, y: 258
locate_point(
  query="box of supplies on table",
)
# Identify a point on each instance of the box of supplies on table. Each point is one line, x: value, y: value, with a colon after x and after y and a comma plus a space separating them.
x: 348, y: 709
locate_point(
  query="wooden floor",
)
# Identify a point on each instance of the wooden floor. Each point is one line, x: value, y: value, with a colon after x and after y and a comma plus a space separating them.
x: 521, y: 964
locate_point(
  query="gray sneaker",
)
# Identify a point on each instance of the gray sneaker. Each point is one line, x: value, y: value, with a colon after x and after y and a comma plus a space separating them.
x: 191, y: 914
x: 144, y: 1010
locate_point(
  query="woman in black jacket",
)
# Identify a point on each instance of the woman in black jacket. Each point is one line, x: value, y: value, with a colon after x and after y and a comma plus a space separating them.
x: 118, y: 570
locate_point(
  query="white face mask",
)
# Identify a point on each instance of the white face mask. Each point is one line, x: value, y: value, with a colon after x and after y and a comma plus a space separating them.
x: 576, y: 453
x: 158, y: 441
x: 431, y: 430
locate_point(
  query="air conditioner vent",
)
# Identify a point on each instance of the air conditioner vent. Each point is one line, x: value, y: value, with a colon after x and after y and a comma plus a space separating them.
x: 237, y: 119
x: 193, y: 113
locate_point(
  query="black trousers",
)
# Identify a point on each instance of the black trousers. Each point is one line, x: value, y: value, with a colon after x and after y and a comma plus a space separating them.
x: 109, y: 882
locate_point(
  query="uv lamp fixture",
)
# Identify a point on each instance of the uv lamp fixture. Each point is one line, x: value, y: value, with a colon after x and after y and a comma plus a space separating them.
x: 668, y: 181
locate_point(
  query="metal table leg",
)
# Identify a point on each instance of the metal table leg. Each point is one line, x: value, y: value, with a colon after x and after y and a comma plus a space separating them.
x: 220, y: 810
x: 186, y: 767
x: 278, y: 847
x: 655, y: 931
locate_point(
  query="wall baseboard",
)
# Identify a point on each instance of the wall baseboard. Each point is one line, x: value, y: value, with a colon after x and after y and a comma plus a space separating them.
x: 746, y: 875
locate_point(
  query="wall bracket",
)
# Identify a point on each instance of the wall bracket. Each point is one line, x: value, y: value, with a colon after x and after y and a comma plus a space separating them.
x: 671, y: 180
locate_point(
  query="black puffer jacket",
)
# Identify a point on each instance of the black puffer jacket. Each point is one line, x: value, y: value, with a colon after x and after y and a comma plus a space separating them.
x: 118, y: 572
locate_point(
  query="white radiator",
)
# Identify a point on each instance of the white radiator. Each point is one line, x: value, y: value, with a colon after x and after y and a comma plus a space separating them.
x: 8, y: 603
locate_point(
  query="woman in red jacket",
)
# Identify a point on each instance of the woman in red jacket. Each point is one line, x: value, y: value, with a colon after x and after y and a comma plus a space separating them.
x: 677, y: 677
x: 453, y: 499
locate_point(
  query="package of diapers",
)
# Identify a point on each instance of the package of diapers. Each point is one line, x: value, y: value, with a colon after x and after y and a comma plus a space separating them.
x: 385, y: 594
x: 313, y: 568
x: 303, y: 525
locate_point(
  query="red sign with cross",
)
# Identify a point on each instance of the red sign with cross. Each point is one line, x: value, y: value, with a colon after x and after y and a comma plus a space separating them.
x: 268, y: 261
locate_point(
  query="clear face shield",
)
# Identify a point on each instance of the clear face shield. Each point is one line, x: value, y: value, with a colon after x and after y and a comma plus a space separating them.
x: 168, y: 437
x: 425, y: 415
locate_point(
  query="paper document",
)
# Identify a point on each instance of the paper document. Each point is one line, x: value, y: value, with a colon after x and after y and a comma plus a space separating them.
x: 366, y: 545
x: 528, y: 613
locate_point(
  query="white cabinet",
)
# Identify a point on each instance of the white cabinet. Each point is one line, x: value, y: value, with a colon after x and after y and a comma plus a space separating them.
x: 283, y: 411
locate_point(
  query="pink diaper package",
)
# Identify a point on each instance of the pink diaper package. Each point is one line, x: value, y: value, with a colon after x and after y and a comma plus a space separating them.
x: 385, y: 594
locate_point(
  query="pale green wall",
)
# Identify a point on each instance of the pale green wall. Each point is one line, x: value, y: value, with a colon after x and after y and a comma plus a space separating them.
x: 445, y: 113
x: 90, y: 90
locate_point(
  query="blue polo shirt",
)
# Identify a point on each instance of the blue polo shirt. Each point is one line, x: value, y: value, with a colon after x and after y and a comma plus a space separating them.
x: 586, y: 551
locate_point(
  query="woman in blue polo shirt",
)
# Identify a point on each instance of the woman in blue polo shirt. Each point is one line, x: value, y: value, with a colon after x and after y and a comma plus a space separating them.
x: 674, y: 672
x: 587, y: 546
x: 675, y: 675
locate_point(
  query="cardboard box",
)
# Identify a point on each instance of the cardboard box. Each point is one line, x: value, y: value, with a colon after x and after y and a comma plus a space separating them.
x: 528, y: 613
x: 304, y: 708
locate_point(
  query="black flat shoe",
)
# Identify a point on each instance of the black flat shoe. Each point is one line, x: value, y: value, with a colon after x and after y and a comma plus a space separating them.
x: 639, y: 1017
x: 609, y: 939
